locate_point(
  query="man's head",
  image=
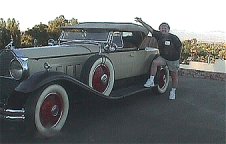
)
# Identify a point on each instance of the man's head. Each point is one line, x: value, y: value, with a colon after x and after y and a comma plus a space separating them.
x: 164, y: 28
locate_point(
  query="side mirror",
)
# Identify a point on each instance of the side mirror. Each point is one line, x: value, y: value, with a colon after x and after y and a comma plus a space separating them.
x: 51, y: 42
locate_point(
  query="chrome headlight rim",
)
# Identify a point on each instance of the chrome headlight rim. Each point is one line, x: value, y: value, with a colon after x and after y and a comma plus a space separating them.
x: 18, y: 68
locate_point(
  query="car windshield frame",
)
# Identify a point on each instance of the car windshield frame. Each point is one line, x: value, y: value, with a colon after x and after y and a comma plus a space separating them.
x: 69, y: 35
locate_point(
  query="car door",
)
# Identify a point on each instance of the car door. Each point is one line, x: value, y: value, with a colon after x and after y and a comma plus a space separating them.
x: 142, y: 61
x: 122, y: 62
x: 144, y: 56
x: 121, y: 58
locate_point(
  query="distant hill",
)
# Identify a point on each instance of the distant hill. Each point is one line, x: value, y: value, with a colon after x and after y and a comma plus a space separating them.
x: 212, y: 36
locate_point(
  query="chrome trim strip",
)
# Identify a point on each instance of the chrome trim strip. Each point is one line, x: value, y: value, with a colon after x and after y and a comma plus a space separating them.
x: 12, y: 114
x: 7, y: 77
x: 62, y: 56
x: 14, y: 111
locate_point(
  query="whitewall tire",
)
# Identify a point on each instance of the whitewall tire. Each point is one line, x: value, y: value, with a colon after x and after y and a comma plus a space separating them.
x: 48, y: 109
x: 98, y: 73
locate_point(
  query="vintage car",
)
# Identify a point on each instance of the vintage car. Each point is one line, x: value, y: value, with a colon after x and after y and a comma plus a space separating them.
x: 108, y: 60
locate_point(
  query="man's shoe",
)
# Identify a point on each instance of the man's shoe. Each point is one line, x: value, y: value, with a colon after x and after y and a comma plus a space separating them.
x: 149, y: 83
x: 172, y: 95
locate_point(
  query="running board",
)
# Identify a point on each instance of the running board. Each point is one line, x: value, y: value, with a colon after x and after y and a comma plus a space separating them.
x: 124, y: 92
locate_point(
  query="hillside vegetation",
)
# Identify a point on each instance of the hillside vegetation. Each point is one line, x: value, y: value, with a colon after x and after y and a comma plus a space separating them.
x: 202, y: 52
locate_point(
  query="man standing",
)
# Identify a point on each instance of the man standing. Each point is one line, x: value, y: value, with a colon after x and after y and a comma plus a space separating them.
x: 170, y: 49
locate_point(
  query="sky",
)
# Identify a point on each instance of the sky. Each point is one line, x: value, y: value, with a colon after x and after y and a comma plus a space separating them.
x: 188, y: 15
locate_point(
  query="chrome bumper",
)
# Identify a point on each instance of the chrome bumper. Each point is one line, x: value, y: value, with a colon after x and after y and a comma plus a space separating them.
x: 12, y: 114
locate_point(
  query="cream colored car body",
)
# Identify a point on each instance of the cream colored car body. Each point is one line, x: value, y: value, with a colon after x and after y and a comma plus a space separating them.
x: 69, y: 58
x: 109, y: 60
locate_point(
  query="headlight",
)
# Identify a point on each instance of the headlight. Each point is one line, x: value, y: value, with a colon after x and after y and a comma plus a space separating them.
x: 17, y: 69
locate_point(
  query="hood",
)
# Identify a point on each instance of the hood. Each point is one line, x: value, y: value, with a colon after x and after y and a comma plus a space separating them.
x: 56, y: 51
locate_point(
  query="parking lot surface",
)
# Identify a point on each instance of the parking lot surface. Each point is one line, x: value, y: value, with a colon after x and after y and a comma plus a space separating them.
x: 196, y: 116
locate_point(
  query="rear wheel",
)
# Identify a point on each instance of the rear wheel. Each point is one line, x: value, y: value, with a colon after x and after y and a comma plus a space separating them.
x: 47, y: 110
x: 98, y: 73
x: 161, y: 79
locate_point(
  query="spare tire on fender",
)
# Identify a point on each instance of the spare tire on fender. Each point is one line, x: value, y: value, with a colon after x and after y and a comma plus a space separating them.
x: 98, y: 73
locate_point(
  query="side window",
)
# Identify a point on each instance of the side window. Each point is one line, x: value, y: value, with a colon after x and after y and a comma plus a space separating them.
x: 117, y: 39
x: 128, y: 39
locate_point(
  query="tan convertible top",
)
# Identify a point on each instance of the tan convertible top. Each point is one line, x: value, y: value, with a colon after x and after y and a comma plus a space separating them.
x: 109, y: 26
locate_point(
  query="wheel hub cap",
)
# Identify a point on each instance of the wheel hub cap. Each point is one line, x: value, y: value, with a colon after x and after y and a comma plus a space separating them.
x: 55, y: 110
x: 104, y: 79
x: 51, y: 110
x: 101, y: 78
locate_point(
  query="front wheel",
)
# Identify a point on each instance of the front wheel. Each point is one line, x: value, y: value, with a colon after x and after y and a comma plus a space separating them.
x: 162, y: 80
x: 46, y: 110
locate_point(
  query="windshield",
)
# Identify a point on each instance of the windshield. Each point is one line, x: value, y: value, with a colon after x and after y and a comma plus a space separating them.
x: 70, y: 35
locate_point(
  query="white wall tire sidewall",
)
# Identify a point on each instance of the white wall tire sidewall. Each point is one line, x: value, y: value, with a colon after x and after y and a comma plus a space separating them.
x: 108, y: 63
x: 51, y: 131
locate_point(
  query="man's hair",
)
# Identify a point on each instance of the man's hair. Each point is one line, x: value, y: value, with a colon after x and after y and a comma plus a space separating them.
x: 164, y: 23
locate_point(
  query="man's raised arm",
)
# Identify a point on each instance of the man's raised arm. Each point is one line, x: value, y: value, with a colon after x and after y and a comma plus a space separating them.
x: 148, y: 27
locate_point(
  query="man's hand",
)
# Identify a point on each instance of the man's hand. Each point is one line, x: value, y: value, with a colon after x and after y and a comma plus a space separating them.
x: 148, y: 27
x: 137, y: 19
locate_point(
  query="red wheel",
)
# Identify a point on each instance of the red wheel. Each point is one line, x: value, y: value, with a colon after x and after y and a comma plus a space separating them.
x: 162, y: 80
x: 51, y: 110
x: 98, y: 73
x: 100, y: 78
x: 47, y: 110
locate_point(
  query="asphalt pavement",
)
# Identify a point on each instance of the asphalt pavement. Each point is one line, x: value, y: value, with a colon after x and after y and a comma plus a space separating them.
x: 196, y: 116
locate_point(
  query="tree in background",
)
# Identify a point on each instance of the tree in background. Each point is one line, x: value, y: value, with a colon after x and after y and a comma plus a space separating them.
x: 5, y: 35
x: 26, y: 40
x: 54, y: 26
x: 73, y: 21
x: 13, y: 27
x: 222, y: 52
x: 39, y: 33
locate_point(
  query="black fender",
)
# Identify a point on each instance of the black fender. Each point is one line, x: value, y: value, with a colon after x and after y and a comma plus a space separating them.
x: 43, y: 78
x: 40, y: 79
